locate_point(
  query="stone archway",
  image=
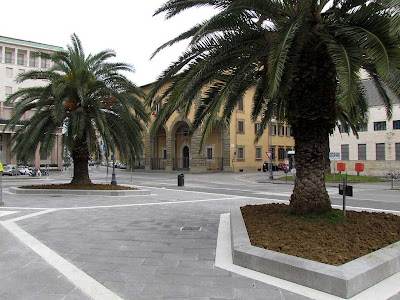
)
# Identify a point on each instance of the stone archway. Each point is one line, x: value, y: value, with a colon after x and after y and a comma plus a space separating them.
x: 185, y: 156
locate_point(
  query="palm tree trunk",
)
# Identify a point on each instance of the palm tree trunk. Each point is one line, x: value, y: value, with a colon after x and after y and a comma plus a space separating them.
x: 309, y: 193
x: 312, y: 111
x: 80, y: 155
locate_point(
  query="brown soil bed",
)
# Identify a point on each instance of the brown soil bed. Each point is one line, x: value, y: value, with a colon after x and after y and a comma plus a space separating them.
x: 78, y: 187
x: 333, y: 240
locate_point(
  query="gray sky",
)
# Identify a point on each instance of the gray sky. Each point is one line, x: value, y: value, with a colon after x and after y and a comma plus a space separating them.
x: 124, y: 26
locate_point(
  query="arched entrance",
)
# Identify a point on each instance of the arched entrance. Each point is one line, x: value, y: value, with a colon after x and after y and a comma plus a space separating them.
x: 185, y: 157
x: 181, y: 146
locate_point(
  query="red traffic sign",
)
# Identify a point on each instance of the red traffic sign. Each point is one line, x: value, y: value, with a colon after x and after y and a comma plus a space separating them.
x: 269, y: 154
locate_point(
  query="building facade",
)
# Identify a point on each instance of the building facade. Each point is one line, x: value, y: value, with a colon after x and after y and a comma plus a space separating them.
x: 378, y: 144
x: 16, y: 57
x: 228, y: 149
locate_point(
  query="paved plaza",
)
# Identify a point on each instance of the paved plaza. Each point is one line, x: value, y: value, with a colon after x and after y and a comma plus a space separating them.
x: 166, y: 245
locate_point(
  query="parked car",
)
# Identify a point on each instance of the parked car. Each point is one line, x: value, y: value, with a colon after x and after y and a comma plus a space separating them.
x: 24, y: 170
x: 10, y: 170
x: 266, y: 166
x: 281, y: 166
x: 122, y: 166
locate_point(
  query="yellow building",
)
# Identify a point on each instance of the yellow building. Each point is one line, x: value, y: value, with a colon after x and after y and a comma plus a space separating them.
x: 230, y: 149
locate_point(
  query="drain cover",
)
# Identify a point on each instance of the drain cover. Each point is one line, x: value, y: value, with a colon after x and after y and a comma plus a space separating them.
x: 191, y: 228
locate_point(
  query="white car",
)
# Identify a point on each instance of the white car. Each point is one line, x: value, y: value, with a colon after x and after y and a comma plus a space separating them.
x: 24, y: 170
x: 10, y: 170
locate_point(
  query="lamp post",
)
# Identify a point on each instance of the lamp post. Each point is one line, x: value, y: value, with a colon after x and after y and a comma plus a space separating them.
x: 113, y: 177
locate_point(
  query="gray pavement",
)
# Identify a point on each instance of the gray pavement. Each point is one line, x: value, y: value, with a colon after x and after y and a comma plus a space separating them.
x: 134, y: 246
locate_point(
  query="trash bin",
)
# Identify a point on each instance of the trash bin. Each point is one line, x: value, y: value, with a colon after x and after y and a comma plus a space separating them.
x: 181, y: 180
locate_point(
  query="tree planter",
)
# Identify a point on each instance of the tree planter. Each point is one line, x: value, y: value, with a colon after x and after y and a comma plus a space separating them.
x: 344, y: 281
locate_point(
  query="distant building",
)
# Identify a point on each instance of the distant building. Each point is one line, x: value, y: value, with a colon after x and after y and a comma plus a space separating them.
x: 228, y: 149
x: 19, y: 56
x: 378, y: 145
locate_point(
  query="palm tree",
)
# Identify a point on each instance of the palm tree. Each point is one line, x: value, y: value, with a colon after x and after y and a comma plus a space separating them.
x: 304, y: 60
x: 88, y: 100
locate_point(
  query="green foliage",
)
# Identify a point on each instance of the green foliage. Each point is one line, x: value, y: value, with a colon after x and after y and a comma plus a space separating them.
x: 259, y: 44
x: 339, y: 178
x: 85, y: 98
x: 333, y: 217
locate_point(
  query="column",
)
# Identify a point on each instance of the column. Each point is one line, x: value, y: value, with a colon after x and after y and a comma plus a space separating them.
x: 170, y: 145
x: 198, y: 161
x: 148, y: 151
x: 226, y: 139
x: 37, y: 158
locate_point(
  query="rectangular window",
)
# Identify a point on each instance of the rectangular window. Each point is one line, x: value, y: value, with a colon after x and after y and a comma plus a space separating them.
x: 257, y: 127
x: 8, y: 90
x: 33, y: 62
x: 258, y: 152
x: 380, y: 151
x: 281, y: 130
x: 288, y: 131
x: 9, y: 72
x: 397, y: 150
x: 209, y: 153
x: 240, y: 154
x: 362, y: 127
x: 362, y: 152
x: 240, y: 126
x: 8, y: 58
x: 240, y: 105
x: 272, y: 130
x: 43, y: 63
x: 378, y: 126
x: 281, y: 153
x: 396, y: 124
x: 20, y: 59
x: 272, y: 149
x: 345, y: 152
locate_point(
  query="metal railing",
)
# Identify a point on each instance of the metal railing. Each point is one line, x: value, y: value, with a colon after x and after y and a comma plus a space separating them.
x: 158, y: 163
x: 181, y: 163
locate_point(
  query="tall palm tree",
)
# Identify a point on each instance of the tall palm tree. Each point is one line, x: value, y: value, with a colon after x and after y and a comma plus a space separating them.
x: 304, y: 60
x: 88, y: 100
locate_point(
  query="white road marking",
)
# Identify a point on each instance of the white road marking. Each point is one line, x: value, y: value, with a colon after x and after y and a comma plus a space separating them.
x: 86, y: 283
x: 223, y: 259
x: 6, y: 213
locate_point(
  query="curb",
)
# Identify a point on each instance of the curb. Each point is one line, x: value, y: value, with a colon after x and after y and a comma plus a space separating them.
x: 17, y: 190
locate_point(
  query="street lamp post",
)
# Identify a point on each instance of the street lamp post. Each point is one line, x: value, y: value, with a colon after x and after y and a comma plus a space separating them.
x: 113, y: 177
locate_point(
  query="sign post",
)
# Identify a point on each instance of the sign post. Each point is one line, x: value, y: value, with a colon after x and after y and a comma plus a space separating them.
x: 271, y: 173
x: 334, y: 156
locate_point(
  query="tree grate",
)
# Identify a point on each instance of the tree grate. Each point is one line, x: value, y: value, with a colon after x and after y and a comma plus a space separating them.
x: 191, y: 228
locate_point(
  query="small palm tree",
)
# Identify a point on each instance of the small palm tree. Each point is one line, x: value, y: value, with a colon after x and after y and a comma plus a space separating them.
x: 303, y: 58
x: 88, y: 100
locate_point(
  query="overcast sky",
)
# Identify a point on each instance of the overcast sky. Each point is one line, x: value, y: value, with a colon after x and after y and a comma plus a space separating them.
x: 127, y: 27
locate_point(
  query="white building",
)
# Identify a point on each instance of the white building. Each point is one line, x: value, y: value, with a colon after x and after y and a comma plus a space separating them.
x: 378, y: 144
x: 19, y: 56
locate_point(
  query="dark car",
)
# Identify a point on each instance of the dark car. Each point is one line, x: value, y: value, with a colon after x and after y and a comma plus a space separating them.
x: 267, y: 165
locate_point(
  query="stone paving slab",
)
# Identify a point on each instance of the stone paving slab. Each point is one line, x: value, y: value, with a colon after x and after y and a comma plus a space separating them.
x: 133, y: 246
x: 25, y: 275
